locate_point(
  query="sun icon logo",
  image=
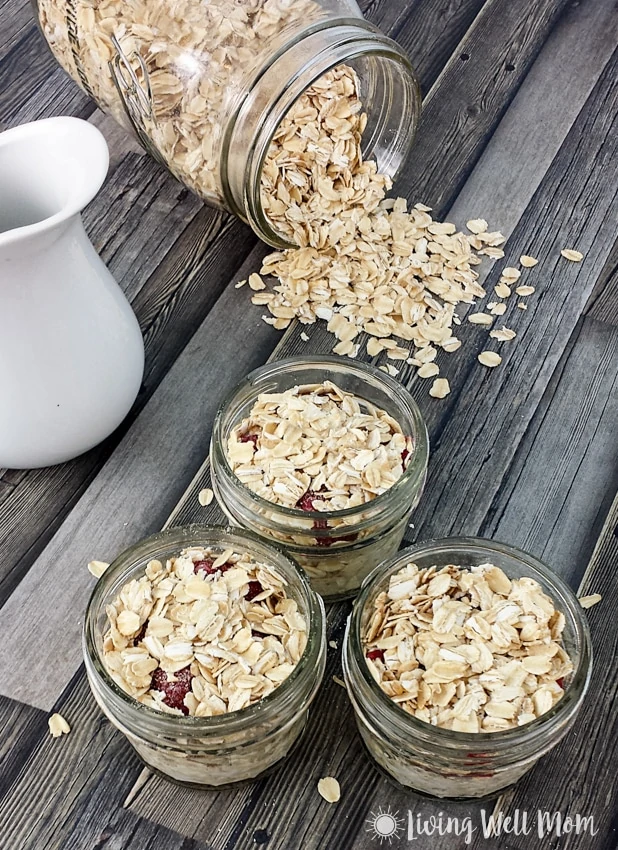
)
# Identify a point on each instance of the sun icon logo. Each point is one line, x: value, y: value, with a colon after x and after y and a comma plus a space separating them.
x: 385, y: 825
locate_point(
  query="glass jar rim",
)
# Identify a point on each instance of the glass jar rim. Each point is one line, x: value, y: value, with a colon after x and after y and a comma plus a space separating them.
x: 364, y: 39
x: 413, y: 471
x: 436, y: 735
x: 176, y: 537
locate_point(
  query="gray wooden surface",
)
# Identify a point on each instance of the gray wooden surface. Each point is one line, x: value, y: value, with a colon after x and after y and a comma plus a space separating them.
x: 520, y: 126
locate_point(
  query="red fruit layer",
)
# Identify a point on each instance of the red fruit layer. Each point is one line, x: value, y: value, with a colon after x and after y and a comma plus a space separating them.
x: 175, y: 692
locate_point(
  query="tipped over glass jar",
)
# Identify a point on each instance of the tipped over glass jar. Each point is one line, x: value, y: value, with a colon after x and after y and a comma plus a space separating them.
x: 272, y: 109
x: 205, y: 648
x: 325, y: 458
x: 466, y: 660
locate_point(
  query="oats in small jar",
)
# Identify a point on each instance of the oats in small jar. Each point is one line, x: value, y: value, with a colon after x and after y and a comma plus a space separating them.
x: 469, y: 650
x: 318, y: 448
x: 206, y: 633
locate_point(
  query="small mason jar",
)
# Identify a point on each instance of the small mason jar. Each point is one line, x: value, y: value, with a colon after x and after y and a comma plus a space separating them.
x: 337, y: 549
x: 204, y: 86
x: 461, y: 765
x: 208, y: 751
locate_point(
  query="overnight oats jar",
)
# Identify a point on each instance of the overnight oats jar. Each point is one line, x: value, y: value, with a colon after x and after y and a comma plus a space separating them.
x: 232, y: 95
x: 465, y: 661
x: 324, y: 457
x: 205, y: 648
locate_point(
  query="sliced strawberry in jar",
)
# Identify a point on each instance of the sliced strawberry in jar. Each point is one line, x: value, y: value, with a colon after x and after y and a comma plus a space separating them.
x: 373, y: 654
x: 207, y: 565
x: 249, y: 438
x: 175, y: 691
x: 255, y: 588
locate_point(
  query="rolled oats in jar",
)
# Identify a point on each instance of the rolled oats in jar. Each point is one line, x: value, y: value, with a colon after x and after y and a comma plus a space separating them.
x: 282, y: 111
x: 465, y: 660
x: 326, y: 458
x: 205, y: 648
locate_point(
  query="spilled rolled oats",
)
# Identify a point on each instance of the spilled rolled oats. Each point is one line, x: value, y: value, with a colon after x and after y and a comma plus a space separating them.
x: 314, y: 169
x: 97, y: 568
x: 317, y: 447
x: 467, y: 649
x: 329, y: 789
x: 392, y: 273
x: 206, y: 633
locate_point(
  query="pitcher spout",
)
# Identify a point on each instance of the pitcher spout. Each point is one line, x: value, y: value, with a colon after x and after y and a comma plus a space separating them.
x: 49, y: 171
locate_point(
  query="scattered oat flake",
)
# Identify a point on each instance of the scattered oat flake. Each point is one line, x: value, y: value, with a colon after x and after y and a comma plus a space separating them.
x: 527, y: 262
x: 489, y: 358
x: 428, y: 370
x: 502, y: 290
x: 339, y: 682
x: 525, y: 290
x: 572, y: 255
x: 333, y: 644
x: 205, y: 496
x: 477, y: 225
x: 498, y: 309
x: 522, y: 305
x: 440, y: 388
x: 97, y: 568
x: 255, y: 282
x: 589, y: 601
x: 58, y: 726
x: 304, y: 336
x: 480, y: 319
x: 328, y: 787
x: 510, y: 273
x: 239, y: 284
x: 503, y: 334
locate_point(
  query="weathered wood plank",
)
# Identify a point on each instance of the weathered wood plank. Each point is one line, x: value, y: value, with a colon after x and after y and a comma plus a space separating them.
x: 555, y: 498
x: 22, y: 727
x: 17, y: 19
x: 470, y: 97
x: 603, y: 304
x: 34, y: 86
x: 428, y: 31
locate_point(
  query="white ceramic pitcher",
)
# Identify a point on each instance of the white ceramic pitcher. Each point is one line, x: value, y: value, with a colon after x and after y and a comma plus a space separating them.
x: 71, y: 351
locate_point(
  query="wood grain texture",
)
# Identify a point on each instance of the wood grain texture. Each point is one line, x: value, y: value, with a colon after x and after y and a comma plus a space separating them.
x: 603, y: 304
x: 22, y: 727
x: 556, y: 495
x: 469, y: 98
x: 34, y: 86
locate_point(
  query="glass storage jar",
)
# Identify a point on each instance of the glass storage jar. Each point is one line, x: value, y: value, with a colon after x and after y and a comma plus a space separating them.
x: 440, y: 762
x: 205, y: 85
x: 227, y: 748
x: 336, y: 549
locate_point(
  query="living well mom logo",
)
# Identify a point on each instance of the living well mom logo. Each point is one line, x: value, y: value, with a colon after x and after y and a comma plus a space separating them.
x: 393, y: 827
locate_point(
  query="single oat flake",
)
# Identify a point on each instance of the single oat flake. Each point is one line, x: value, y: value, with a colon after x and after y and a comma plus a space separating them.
x: 440, y: 388
x: 527, y: 262
x: 58, y: 726
x: 589, y: 601
x: 328, y: 787
x: 97, y: 568
x: 489, y: 358
x: 205, y: 497
x: 572, y: 255
x: 480, y: 319
x: 502, y: 290
x: 477, y: 225
x: 523, y: 291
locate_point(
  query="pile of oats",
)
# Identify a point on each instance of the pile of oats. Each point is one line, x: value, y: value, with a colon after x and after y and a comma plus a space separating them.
x: 394, y: 273
x: 207, y: 633
x: 317, y: 447
x: 467, y: 649
x: 314, y: 170
x: 198, y: 57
